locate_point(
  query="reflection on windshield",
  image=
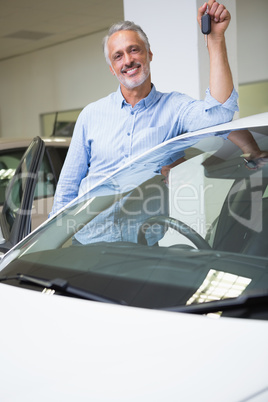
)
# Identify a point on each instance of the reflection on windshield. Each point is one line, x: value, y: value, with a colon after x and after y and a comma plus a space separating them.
x: 218, y: 285
x: 202, y: 185
x: 121, y: 221
x: 184, y: 223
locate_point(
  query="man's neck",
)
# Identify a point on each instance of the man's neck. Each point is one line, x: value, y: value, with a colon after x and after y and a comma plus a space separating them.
x: 133, y: 96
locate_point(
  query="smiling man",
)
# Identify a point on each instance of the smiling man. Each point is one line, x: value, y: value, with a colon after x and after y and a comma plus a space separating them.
x: 129, y: 60
x: 111, y: 131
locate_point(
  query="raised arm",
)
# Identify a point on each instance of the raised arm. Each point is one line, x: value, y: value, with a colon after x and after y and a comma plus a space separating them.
x: 221, y: 81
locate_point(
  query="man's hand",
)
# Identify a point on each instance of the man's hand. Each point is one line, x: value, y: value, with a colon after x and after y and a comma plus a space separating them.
x: 166, y: 169
x: 220, y: 77
x: 220, y: 18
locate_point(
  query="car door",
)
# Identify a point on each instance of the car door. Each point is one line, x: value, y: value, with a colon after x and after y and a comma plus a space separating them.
x: 15, y: 218
x: 48, y: 176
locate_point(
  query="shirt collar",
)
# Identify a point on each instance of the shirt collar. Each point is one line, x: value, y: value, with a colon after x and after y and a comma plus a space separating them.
x: 146, y: 102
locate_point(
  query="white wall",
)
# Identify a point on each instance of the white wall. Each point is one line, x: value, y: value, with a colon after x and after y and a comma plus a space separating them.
x: 63, y: 77
x: 252, y: 36
x: 171, y: 27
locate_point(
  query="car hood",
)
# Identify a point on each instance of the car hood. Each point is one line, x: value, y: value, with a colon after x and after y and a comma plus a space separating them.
x: 94, y: 351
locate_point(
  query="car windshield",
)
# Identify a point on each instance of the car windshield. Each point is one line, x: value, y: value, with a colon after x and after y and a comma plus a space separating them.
x: 185, y: 223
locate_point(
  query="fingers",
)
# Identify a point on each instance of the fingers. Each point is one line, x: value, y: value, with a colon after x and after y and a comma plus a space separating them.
x: 218, y: 12
x: 201, y: 12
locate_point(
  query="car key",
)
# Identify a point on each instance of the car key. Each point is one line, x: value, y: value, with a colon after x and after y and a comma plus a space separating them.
x: 206, y: 25
x: 250, y: 163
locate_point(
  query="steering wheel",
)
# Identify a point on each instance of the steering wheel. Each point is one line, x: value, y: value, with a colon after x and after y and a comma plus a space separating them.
x: 175, y: 224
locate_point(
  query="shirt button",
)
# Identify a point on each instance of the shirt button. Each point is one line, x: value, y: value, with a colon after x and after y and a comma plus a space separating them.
x: 132, y: 112
x: 128, y: 133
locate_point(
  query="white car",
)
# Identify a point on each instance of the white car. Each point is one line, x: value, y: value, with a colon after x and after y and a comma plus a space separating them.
x: 151, y: 286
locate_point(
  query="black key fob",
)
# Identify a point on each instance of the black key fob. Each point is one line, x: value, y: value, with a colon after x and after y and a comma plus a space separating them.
x: 251, y: 164
x: 206, y: 24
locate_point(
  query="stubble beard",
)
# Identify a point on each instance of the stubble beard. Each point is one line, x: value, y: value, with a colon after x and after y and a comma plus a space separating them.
x: 131, y: 82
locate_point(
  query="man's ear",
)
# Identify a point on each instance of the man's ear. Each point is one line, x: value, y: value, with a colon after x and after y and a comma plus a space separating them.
x: 150, y: 55
x: 112, y: 70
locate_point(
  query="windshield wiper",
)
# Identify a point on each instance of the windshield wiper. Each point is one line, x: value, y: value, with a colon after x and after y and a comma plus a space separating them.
x: 246, y: 301
x: 61, y: 285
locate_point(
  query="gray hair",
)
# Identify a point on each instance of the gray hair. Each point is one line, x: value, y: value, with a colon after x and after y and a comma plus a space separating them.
x: 124, y: 26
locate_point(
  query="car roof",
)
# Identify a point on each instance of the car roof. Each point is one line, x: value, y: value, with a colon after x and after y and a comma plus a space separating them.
x: 13, y: 143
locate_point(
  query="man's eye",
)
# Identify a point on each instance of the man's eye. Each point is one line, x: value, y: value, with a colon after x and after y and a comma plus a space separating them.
x: 117, y: 57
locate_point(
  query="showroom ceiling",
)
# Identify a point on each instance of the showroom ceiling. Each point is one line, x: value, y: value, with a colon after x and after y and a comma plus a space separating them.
x: 30, y: 25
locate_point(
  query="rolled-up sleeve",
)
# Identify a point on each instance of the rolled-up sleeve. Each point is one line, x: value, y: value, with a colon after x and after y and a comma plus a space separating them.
x: 198, y: 114
x: 230, y: 104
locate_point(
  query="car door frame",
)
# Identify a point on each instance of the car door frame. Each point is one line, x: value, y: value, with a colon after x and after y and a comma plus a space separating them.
x: 25, y: 178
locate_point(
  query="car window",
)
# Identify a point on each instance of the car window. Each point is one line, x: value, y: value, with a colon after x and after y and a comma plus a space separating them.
x: 48, y: 175
x: 55, y: 157
x: 46, y: 183
x: 8, y: 164
x: 15, y: 216
x: 62, y: 152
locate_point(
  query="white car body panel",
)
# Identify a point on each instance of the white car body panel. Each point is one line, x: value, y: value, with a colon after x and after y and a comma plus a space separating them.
x: 64, y: 349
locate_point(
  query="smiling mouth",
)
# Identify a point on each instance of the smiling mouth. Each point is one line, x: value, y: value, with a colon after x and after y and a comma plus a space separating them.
x: 130, y: 70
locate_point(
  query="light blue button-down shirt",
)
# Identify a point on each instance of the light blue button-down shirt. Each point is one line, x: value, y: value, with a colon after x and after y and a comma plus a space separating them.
x: 109, y: 132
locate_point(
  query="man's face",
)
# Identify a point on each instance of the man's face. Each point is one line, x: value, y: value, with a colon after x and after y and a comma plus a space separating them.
x: 130, y: 61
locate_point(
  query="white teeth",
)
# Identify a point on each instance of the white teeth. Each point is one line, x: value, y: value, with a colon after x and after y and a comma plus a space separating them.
x: 130, y: 71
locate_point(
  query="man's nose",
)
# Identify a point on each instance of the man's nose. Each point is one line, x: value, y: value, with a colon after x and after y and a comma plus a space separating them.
x: 128, y: 59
